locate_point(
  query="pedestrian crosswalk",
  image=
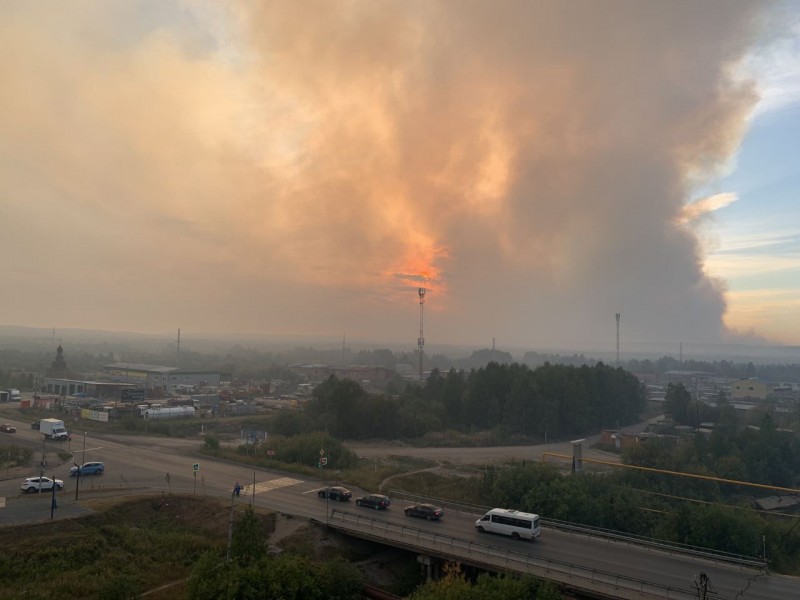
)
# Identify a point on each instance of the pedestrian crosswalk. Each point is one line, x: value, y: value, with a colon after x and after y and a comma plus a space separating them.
x: 268, y: 486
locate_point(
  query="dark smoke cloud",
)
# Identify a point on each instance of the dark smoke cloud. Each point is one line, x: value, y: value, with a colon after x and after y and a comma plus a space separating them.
x: 302, y: 167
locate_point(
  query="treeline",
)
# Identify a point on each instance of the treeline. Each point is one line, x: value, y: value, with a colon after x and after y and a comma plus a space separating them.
x: 756, y: 450
x: 17, y: 380
x: 553, y: 400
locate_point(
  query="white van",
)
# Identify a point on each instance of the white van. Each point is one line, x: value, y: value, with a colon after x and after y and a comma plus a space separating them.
x: 510, y: 522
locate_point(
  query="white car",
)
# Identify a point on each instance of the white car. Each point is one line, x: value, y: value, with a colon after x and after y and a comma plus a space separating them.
x: 38, y: 484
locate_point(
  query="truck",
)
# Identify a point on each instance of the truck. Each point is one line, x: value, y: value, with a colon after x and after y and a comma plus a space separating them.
x: 53, y: 429
x: 14, y: 395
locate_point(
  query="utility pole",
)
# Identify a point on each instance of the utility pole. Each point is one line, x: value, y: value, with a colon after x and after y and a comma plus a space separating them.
x: 421, y: 338
x: 618, y: 316
x: 230, y: 530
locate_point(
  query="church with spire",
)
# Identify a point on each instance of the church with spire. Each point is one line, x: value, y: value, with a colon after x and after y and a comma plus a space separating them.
x: 59, y: 367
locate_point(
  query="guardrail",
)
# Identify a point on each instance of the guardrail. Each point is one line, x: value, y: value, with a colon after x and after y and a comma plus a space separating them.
x: 486, y: 556
x: 606, y: 534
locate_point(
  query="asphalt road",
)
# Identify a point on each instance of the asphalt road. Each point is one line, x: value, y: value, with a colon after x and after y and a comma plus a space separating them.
x: 136, y: 465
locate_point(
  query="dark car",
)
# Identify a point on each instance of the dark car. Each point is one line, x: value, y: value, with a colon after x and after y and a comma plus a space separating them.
x: 5, y: 427
x: 335, y: 493
x: 424, y: 511
x: 35, y: 425
x: 374, y: 501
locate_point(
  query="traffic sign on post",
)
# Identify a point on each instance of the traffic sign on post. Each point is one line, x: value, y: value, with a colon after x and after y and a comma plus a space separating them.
x: 196, y: 467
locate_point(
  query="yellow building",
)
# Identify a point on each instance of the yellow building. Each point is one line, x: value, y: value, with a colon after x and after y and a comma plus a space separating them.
x: 749, y: 388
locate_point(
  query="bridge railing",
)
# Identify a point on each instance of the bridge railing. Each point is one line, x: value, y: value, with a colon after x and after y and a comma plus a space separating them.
x: 484, y: 555
x: 599, y: 532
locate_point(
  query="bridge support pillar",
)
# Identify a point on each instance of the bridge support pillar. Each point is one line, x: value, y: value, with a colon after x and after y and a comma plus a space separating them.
x: 431, y: 567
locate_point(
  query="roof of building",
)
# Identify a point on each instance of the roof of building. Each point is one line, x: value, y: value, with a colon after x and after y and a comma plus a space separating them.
x: 185, y: 372
x: 751, y: 379
x: 776, y: 502
x: 141, y: 368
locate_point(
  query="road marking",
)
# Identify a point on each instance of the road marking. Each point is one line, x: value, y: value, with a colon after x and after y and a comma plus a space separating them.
x: 268, y: 486
x: 316, y: 489
x: 2, y: 502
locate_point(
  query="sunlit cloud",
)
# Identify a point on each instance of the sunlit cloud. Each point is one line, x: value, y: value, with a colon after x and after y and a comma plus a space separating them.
x: 703, y: 206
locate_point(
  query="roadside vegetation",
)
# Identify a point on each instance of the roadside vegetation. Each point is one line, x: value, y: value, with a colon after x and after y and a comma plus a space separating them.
x: 12, y: 456
x: 454, y: 586
x: 119, y: 552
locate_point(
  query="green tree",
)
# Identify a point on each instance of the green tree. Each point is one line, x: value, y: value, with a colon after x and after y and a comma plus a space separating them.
x: 248, y: 541
x: 454, y: 586
x: 676, y: 403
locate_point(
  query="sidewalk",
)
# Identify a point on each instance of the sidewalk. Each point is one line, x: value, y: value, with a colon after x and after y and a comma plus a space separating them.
x: 35, y: 508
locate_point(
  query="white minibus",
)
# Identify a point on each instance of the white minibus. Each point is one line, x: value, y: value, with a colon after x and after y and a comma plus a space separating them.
x: 510, y: 522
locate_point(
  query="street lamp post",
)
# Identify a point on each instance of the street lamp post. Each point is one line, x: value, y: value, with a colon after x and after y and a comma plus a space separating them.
x: 77, y: 480
x: 43, y: 462
x: 78, y: 467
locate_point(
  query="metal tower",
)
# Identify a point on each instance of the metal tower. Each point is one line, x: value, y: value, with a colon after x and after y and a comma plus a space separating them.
x: 618, y: 315
x: 421, y: 338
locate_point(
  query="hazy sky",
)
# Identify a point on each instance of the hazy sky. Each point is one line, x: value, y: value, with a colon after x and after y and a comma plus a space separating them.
x: 302, y: 167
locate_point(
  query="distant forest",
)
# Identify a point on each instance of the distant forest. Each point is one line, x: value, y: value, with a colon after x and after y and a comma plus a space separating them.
x: 18, y: 367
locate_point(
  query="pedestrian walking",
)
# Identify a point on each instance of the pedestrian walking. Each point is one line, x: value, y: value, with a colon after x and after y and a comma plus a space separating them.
x: 236, y: 489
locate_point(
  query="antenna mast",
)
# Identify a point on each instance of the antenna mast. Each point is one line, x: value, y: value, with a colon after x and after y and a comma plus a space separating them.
x: 618, y: 316
x: 179, y: 347
x: 421, y: 338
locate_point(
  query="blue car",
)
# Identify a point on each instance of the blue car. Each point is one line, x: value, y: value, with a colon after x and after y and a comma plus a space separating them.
x: 89, y: 468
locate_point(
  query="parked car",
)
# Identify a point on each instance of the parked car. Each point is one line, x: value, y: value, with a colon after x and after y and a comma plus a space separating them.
x: 35, y: 425
x: 424, y: 511
x: 89, y: 468
x: 5, y: 427
x: 374, y: 501
x: 39, y: 484
x: 335, y: 493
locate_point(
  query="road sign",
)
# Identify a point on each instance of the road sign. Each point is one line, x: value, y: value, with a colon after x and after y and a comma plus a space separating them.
x: 196, y: 467
x: 322, y: 452
x: 324, y: 460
